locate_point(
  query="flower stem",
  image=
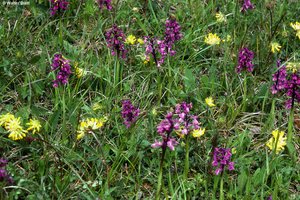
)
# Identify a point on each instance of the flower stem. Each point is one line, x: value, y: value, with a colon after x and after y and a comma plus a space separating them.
x: 221, y: 188
x: 159, y: 182
x: 290, y: 126
x: 186, y: 162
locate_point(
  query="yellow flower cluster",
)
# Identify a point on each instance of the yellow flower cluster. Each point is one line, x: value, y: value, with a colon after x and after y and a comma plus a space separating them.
x: 79, y: 72
x: 277, y: 142
x: 296, y: 27
x: 212, y: 39
x: 198, y: 132
x: 293, y: 66
x: 13, y: 125
x: 220, y: 17
x: 275, y: 47
x: 34, y: 125
x: 89, y: 124
x: 131, y: 39
x: 209, y: 101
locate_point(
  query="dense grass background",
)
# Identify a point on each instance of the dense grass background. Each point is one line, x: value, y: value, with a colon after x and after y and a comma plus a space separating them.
x: 118, y: 163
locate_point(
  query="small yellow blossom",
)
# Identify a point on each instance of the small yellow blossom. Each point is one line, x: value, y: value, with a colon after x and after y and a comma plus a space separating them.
x: 16, y: 130
x: 17, y: 134
x: 284, y: 33
x: 97, y: 106
x: 131, y: 39
x: 79, y: 72
x: 34, y: 125
x: 233, y: 150
x: 212, y: 39
x: 5, y: 118
x: 220, y: 17
x: 296, y: 27
x: 80, y: 135
x: 140, y: 40
x: 198, y: 132
x: 293, y: 66
x: 210, y: 102
x: 135, y: 9
x: 228, y: 38
x: 275, y: 47
x: 88, y: 125
x: 277, y: 142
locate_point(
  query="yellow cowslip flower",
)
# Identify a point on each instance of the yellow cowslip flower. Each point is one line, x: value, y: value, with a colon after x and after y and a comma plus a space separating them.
x: 5, y: 118
x: 140, y: 40
x: 275, y: 47
x: 293, y: 66
x: 296, y: 27
x: 198, y: 132
x: 131, y: 39
x: 88, y: 125
x: 209, y: 101
x: 212, y: 39
x: 277, y: 141
x: 34, y: 125
x: 220, y: 17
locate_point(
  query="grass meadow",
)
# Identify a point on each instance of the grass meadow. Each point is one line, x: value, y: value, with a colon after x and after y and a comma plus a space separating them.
x: 103, y: 100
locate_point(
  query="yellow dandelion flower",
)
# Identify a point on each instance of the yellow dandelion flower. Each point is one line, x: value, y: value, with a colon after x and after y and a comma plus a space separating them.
x: 210, y: 102
x: 5, y: 118
x: 198, y: 132
x: 277, y: 142
x: 212, y: 39
x: 220, y: 17
x: 131, y: 39
x: 275, y: 47
x: 34, y: 125
x: 140, y: 40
